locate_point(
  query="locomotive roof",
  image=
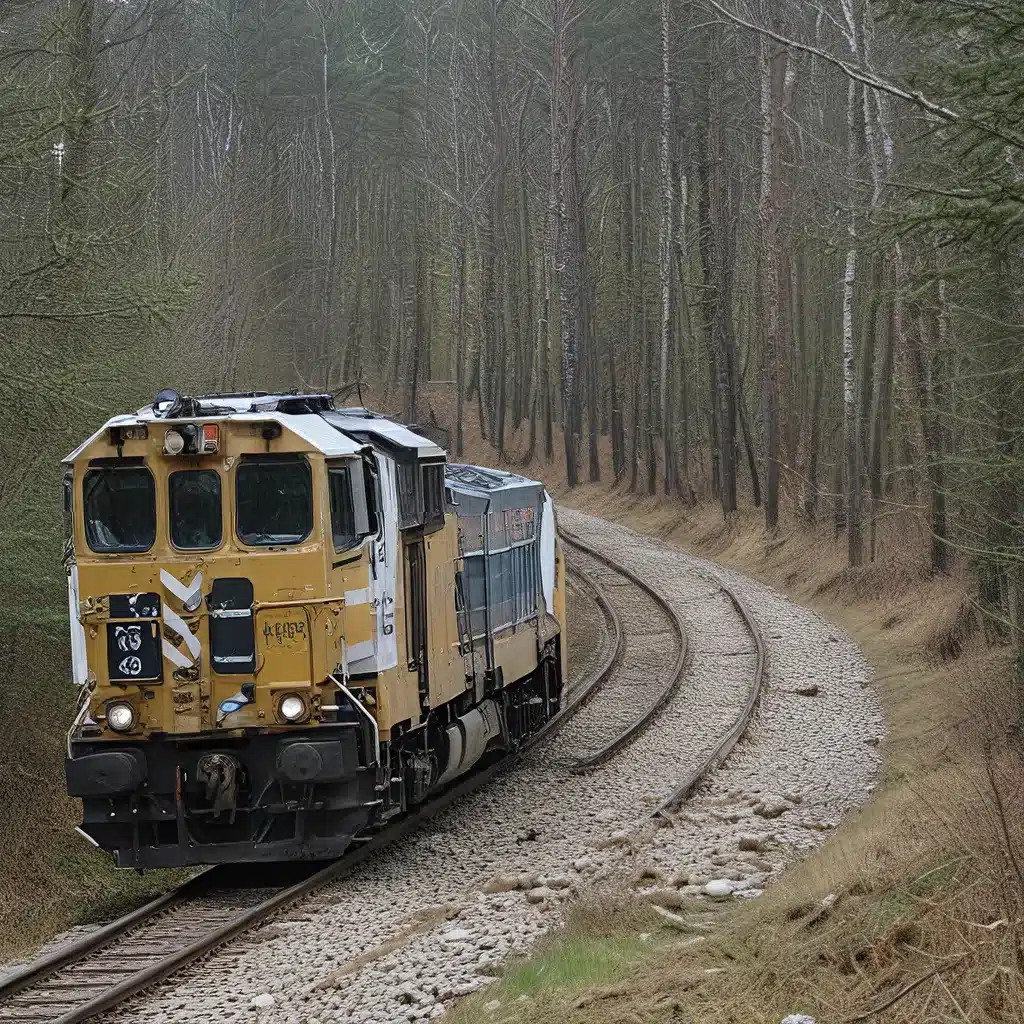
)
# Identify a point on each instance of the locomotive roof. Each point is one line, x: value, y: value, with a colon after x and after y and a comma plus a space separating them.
x: 364, y: 424
x: 478, y: 490
x: 333, y: 432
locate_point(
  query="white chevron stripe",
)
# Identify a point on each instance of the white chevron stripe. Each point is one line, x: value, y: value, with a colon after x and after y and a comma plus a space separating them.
x: 183, y: 593
x: 173, y: 655
x: 180, y: 626
x: 186, y: 595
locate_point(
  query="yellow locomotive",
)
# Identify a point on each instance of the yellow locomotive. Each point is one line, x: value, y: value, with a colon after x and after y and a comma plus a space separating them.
x: 292, y: 622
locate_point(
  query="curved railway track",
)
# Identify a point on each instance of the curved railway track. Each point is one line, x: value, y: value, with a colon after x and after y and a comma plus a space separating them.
x: 97, y: 972
x: 740, y: 725
x: 646, y: 677
x: 660, y: 690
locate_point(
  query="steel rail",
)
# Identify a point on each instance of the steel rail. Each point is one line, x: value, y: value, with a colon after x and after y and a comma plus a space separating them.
x: 20, y: 978
x: 580, y: 694
x: 725, y: 745
x: 31, y: 974
x: 675, y: 675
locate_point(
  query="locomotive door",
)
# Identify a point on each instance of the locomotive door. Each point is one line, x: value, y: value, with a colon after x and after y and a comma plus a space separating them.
x: 416, y: 613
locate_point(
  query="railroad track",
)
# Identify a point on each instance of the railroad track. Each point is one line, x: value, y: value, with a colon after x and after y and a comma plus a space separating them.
x: 724, y: 747
x: 629, y: 709
x: 97, y: 972
x: 646, y: 675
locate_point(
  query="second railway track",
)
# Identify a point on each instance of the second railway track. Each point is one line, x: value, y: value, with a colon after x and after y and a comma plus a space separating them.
x: 630, y: 695
x: 649, y: 658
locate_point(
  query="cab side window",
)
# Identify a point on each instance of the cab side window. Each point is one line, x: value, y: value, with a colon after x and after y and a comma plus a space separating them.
x: 350, y: 514
x: 343, y: 518
x: 372, y: 502
x: 433, y: 497
x: 68, y: 492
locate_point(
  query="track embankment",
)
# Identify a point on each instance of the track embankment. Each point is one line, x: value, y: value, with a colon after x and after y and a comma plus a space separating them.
x: 777, y: 692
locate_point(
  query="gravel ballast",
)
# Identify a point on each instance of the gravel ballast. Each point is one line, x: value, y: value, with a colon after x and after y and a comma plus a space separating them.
x: 431, y: 918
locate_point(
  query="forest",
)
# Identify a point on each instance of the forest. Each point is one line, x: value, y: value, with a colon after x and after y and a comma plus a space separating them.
x: 758, y: 252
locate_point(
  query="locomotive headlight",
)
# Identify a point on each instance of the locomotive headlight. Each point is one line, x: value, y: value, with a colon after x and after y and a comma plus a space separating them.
x: 292, y: 708
x: 174, y: 443
x: 120, y: 715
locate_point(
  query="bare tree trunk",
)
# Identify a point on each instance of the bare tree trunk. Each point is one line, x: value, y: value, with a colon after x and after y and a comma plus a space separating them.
x: 716, y: 231
x: 526, y: 327
x: 622, y: 256
x: 867, y: 378
x: 851, y: 421
x: 593, y: 419
x: 566, y: 110
x: 330, y: 270
x: 458, y: 319
x: 686, y: 336
x: 810, y: 502
x: 931, y: 432
x: 880, y: 423
x: 545, y: 352
x: 492, y: 359
x: 942, y: 553
x: 670, y: 480
x: 769, y: 276
x: 634, y: 273
x: 748, y: 444
x: 811, y: 494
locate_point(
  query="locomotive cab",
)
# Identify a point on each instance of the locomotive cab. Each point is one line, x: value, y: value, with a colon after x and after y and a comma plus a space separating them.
x: 270, y: 629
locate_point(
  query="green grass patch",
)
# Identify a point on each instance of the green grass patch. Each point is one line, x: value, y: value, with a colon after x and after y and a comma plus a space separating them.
x: 599, y: 947
x: 564, y: 974
x: 575, y: 962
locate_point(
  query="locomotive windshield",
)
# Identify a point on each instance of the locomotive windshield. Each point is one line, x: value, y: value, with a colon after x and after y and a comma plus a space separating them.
x: 120, y: 508
x: 274, y: 495
x: 195, y: 508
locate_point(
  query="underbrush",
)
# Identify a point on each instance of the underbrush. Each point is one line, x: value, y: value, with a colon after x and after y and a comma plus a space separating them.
x: 50, y: 877
x: 914, y: 910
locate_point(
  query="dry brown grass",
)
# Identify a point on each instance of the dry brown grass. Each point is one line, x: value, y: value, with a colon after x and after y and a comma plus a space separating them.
x: 927, y: 923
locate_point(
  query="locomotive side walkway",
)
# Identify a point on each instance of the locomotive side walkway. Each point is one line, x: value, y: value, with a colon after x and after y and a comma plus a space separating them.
x: 429, y: 918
